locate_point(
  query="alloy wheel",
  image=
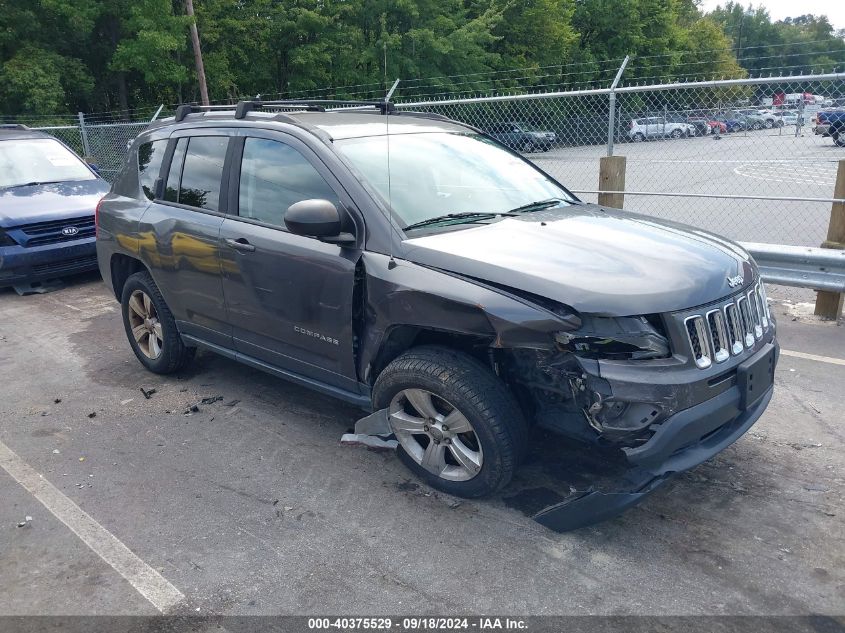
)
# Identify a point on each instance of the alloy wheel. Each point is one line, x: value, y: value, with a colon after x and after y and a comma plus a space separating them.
x: 146, y: 328
x: 435, y: 434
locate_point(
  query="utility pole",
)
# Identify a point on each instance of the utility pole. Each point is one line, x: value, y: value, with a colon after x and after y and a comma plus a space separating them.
x: 195, y: 40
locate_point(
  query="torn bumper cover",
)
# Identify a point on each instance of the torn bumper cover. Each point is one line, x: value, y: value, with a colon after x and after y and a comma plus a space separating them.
x: 681, y: 442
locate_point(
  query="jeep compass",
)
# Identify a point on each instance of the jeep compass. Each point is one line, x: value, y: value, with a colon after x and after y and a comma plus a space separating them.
x: 414, y: 266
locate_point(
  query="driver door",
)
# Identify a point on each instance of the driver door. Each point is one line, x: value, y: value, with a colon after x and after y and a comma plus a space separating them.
x: 288, y: 297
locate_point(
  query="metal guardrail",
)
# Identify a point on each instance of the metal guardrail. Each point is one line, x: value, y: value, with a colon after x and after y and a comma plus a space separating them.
x: 803, y: 267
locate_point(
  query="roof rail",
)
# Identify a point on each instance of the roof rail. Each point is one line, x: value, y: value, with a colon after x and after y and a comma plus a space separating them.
x: 188, y: 108
x: 13, y: 126
x: 313, y: 105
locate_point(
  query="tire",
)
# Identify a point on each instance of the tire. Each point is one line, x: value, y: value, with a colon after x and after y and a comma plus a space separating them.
x: 768, y: 124
x: 676, y: 134
x: 425, y: 387
x: 158, y: 346
x: 527, y: 147
x: 838, y: 137
x: 756, y: 126
x: 639, y: 137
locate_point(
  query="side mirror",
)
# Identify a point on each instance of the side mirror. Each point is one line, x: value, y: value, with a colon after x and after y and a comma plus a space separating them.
x: 317, y: 218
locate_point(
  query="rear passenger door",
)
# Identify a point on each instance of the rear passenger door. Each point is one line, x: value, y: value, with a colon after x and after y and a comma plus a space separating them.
x: 180, y: 231
x: 289, y: 297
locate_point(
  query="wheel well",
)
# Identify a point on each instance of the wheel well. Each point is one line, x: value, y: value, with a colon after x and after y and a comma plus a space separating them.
x: 401, y: 338
x: 122, y: 266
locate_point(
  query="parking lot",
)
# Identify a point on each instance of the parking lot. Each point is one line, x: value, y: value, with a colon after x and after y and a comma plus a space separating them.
x: 250, y: 504
x: 766, y: 163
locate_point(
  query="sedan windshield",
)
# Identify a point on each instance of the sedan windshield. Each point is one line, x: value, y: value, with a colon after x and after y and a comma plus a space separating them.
x: 435, y: 174
x: 39, y: 160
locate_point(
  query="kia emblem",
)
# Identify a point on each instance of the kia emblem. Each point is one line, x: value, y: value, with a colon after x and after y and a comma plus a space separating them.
x: 70, y: 230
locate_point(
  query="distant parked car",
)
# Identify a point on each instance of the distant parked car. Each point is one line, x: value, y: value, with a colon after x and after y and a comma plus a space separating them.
x: 769, y: 118
x: 831, y: 122
x: 657, y: 127
x: 751, y: 119
x: 699, y: 125
x: 48, y: 195
x: 791, y: 117
x: 522, y: 136
x: 732, y: 123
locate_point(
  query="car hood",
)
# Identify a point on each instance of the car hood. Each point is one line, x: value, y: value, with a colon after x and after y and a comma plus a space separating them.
x: 41, y: 203
x: 596, y: 260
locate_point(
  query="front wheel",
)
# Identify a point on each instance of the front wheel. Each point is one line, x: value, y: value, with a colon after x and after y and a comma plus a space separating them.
x: 769, y: 124
x: 528, y: 147
x: 151, y: 328
x: 676, y: 134
x: 458, y: 427
x: 638, y: 137
x: 838, y: 137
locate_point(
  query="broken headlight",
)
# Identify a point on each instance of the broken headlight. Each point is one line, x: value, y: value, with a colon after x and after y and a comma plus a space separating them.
x: 617, y: 338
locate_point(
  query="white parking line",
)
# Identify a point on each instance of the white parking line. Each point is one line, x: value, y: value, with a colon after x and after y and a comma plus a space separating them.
x: 146, y: 580
x: 820, y: 359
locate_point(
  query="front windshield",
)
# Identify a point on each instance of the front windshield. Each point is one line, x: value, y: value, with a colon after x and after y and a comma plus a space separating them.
x: 438, y: 173
x: 39, y: 160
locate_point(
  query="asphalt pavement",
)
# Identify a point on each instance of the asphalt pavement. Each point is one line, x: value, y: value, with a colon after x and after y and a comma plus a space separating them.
x: 766, y: 163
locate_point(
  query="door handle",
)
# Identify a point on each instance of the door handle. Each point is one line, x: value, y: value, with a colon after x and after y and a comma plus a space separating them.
x: 240, y: 244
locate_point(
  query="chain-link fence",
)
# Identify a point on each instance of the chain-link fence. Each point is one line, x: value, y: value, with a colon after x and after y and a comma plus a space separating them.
x: 103, y: 144
x: 745, y: 158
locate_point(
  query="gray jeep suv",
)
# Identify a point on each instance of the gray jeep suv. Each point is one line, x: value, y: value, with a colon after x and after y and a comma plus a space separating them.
x: 412, y: 265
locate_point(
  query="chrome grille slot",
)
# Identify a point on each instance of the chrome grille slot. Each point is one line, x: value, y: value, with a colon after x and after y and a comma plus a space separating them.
x: 718, y: 335
x: 698, y: 339
x: 764, y: 305
x: 734, y: 328
x: 754, y: 309
x: 745, y: 320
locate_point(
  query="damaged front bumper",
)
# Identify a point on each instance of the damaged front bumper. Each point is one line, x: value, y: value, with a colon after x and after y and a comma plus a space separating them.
x: 680, y: 442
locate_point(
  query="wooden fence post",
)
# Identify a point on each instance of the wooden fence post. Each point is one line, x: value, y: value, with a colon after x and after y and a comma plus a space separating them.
x: 612, y: 178
x: 829, y: 304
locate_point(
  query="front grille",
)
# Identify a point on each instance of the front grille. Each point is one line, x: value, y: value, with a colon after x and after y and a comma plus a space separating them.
x: 66, y: 266
x: 42, y: 233
x: 728, y: 329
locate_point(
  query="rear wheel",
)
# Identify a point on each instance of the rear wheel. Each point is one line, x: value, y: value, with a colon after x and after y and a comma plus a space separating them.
x: 639, y: 137
x: 838, y: 137
x: 756, y: 126
x: 151, y: 328
x: 528, y: 147
x: 459, y: 428
x: 769, y: 124
x: 676, y: 134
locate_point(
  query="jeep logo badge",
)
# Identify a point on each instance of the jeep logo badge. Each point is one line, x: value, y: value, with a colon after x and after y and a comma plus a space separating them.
x: 733, y: 282
x: 70, y: 230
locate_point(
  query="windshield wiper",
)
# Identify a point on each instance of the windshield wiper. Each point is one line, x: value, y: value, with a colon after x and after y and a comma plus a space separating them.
x: 33, y: 183
x: 537, y: 205
x: 457, y: 218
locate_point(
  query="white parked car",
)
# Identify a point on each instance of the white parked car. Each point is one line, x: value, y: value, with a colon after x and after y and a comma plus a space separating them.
x: 657, y: 127
x: 790, y: 117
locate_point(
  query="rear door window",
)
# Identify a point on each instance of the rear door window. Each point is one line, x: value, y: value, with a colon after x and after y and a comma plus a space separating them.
x: 202, y: 173
x: 150, y: 156
x: 171, y: 190
x: 196, y: 172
